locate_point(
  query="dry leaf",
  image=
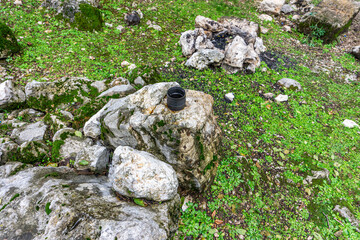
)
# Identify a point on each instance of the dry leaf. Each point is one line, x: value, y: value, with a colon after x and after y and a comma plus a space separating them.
x: 218, y: 221
x: 213, y: 214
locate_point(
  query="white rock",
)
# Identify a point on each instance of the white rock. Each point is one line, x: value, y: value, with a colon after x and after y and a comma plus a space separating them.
x: 350, y: 78
x: 265, y: 17
x: 139, y: 81
x: 139, y: 174
x: 235, y: 53
x: 208, y: 24
x: 288, y: 8
x: 187, y: 41
x: 17, y: 2
x: 131, y: 67
x: 272, y: 6
x: 204, y: 57
x: 259, y: 46
x: 264, y: 30
x: 349, y: 123
x: 9, y: 94
x: 282, y: 98
x: 287, y: 28
x: 296, y: 17
x: 290, y: 84
x: 120, y: 28
x: 356, y: 52
x: 99, y: 85
x: 93, y: 157
x: 140, y: 13
x: 121, y: 90
x: 125, y: 64
x: 229, y: 97
x: 29, y: 132
x: 109, y: 25
x: 269, y: 95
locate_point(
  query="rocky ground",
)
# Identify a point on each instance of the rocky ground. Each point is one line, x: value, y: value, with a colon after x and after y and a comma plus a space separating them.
x: 267, y: 146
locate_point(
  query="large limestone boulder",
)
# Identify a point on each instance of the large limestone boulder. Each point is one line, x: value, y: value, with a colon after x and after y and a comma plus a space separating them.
x: 188, y: 139
x: 8, y: 42
x: 10, y: 95
x: 139, y: 174
x: 82, y: 14
x: 329, y: 18
x: 55, y: 203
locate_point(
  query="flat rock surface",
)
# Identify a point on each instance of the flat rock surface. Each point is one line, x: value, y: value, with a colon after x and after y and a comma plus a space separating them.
x: 55, y: 203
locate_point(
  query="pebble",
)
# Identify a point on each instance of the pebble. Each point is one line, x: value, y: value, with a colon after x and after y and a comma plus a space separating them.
x: 282, y: 98
x: 229, y: 97
x: 350, y: 123
x: 269, y: 95
x: 125, y: 64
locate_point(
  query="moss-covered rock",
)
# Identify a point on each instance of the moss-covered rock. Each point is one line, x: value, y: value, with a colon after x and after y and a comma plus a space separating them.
x: 8, y: 42
x: 88, y: 19
x: 328, y: 19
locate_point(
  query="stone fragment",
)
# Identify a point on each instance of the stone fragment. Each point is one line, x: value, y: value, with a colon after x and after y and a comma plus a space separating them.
x: 271, y: 6
x: 288, y: 8
x: 324, y: 174
x: 347, y: 214
x: 229, y: 97
x: 265, y: 17
x: 139, y: 81
x: 331, y: 17
x: 356, y: 52
x: 208, y: 24
x: 65, y: 205
x: 10, y: 95
x: 29, y: 132
x: 282, y: 98
x: 204, y: 57
x: 139, y: 174
x: 349, y: 123
x: 94, y: 158
x: 121, y: 90
x: 99, y: 85
x: 290, y: 84
x: 269, y: 95
x: 188, y: 39
x: 287, y: 28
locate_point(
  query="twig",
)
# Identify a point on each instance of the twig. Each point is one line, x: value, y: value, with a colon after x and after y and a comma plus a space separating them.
x: 338, y: 221
x: 326, y: 219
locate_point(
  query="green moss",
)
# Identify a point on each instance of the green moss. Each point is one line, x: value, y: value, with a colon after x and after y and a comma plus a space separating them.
x: 7, y: 40
x: 47, y: 208
x: 55, y: 151
x: 201, y: 148
x: 12, y: 199
x: 53, y: 174
x: 88, y: 19
x: 18, y: 169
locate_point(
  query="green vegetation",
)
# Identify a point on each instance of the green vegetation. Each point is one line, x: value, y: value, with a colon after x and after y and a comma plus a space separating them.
x: 268, y: 149
x: 12, y: 199
x: 88, y: 19
x: 47, y: 208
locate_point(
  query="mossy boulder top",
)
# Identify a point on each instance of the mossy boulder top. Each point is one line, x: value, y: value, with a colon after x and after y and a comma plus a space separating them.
x: 8, y: 42
x: 330, y: 16
x: 82, y: 14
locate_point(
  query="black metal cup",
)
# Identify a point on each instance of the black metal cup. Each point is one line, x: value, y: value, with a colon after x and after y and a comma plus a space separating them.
x: 176, y: 98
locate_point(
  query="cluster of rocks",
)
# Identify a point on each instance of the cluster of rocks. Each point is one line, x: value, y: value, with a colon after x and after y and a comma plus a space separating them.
x: 230, y: 42
x: 147, y: 150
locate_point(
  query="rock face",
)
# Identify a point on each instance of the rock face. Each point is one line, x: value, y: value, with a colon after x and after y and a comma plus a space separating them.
x: 29, y: 132
x: 83, y: 151
x: 55, y: 203
x: 6, y: 149
x: 10, y: 95
x: 230, y: 42
x: 139, y: 174
x: 188, y: 139
x: 8, y: 42
x: 82, y: 14
x: 45, y: 95
x: 271, y: 6
x: 331, y: 17
x: 356, y: 52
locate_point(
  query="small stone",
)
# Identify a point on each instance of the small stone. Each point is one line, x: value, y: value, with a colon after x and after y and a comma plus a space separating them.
x: 109, y: 25
x: 131, y: 67
x: 125, y: 63
x: 296, y: 17
x: 356, y: 52
x: 269, y: 95
x: 289, y: 84
x: 265, y: 17
x: 271, y: 6
x: 349, y: 123
x: 187, y: 199
x: 350, y: 78
x: 229, y: 97
x: 287, y: 28
x: 140, y: 13
x: 132, y: 18
x: 264, y: 30
x: 139, y: 81
x: 120, y: 28
x: 282, y: 98
x: 18, y: 2
x: 287, y: 8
